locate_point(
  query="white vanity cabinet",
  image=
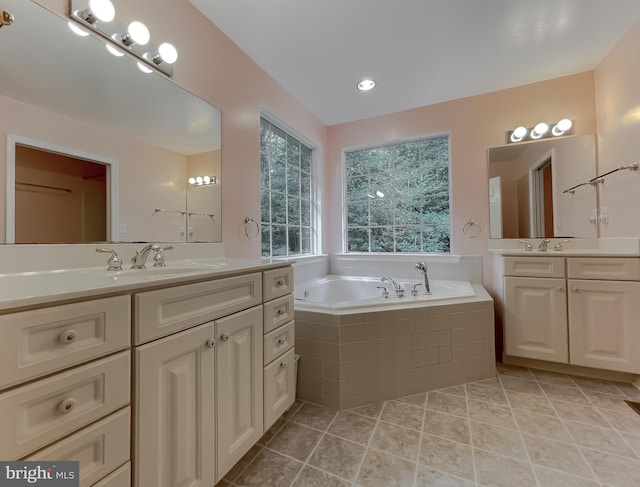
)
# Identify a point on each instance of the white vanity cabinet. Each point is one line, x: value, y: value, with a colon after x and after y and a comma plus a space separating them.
x: 604, y: 314
x: 200, y: 374
x: 65, y: 380
x: 573, y: 310
x: 535, y: 308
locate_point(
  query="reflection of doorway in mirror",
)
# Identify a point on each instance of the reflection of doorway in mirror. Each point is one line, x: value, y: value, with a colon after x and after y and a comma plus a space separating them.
x: 542, y: 200
x: 56, y: 196
x: 495, y: 207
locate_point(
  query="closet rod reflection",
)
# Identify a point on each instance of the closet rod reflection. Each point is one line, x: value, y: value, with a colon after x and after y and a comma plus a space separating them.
x: 66, y: 190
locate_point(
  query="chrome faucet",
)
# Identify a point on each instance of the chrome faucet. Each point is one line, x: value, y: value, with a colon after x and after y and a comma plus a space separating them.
x: 543, y: 245
x: 140, y: 259
x: 422, y: 267
x: 396, y: 287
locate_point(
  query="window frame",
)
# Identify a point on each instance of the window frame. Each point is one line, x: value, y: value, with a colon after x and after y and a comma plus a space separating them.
x: 345, y: 196
x: 314, y: 218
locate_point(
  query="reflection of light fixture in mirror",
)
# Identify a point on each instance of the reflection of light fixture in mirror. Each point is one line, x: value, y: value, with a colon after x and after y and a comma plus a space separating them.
x: 202, y: 180
x: 77, y: 30
x: 539, y: 130
x: 128, y: 38
x: 144, y: 68
x: 518, y: 134
x: 561, y: 127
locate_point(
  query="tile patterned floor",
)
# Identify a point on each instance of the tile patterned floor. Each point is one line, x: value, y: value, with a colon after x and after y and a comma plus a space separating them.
x: 523, y: 428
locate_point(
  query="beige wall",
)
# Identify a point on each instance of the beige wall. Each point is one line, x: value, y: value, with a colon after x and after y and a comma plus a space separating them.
x: 475, y: 124
x: 618, y: 113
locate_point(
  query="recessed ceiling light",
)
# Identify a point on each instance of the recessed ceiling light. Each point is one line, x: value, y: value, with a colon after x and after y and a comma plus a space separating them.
x: 366, y: 85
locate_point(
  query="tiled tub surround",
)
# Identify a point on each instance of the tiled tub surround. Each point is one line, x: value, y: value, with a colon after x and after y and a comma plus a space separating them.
x: 354, y: 358
x: 523, y: 428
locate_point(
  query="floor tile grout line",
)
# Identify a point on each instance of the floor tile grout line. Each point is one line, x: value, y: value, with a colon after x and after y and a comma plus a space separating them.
x: 597, y: 479
x: 474, y: 465
x: 424, y: 418
x: 366, y: 448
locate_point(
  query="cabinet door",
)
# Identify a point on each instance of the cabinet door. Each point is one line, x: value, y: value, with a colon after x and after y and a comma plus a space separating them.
x: 535, y: 318
x: 174, y: 433
x: 603, y: 324
x: 279, y: 388
x: 239, y: 386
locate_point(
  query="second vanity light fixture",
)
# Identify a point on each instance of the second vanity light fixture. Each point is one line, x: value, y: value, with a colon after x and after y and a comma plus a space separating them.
x: 99, y: 16
x: 202, y: 180
x: 540, y: 131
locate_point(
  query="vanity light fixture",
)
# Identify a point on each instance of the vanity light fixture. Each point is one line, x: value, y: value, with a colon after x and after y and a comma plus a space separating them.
x: 202, y: 180
x: 540, y: 131
x: 366, y: 85
x: 134, y: 38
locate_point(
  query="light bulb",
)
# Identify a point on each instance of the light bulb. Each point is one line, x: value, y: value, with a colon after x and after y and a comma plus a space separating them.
x: 103, y: 10
x: 192, y: 180
x: 143, y: 68
x: 114, y: 51
x: 77, y: 30
x: 366, y: 85
x: 518, y: 134
x: 207, y: 180
x: 168, y: 53
x: 561, y: 127
x: 199, y: 180
x: 138, y: 32
x: 539, y: 130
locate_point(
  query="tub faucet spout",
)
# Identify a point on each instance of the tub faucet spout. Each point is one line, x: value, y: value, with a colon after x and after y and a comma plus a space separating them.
x: 396, y: 287
x: 422, y: 267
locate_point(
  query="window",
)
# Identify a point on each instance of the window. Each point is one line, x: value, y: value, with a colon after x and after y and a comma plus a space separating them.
x: 285, y: 188
x: 398, y: 197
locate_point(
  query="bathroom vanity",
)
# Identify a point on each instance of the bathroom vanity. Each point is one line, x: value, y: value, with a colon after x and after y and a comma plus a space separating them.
x: 576, y: 308
x: 153, y: 377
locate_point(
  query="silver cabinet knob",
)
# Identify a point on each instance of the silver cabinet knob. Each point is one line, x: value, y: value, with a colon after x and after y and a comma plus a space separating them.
x: 66, y: 406
x: 283, y: 365
x: 280, y: 283
x: 225, y: 337
x: 576, y: 290
x: 561, y: 289
x: 210, y: 343
x: 67, y: 337
x: 280, y: 311
x: 281, y: 341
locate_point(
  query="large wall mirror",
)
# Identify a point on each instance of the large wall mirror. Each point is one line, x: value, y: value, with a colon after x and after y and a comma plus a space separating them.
x: 528, y: 185
x: 97, y: 150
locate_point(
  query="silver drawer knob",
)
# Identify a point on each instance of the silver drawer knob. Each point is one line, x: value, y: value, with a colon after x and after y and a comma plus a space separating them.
x: 66, y: 406
x: 210, y: 343
x: 280, y: 283
x: 280, y: 312
x: 225, y: 337
x: 283, y: 365
x: 281, y: 341
x: 67, y: 337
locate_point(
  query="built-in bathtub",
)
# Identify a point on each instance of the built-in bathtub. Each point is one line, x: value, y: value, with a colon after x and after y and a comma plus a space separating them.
x: 348, y: 293
x: 359, y: 348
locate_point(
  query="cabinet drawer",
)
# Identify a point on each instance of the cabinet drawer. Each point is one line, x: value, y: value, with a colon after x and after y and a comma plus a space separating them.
x: 614, y: 268
x: 278, y: 312
x: 278, y: 282
x: 41, y: 341
x: 278, y: 341
x: 166, y: 311
x: 534, y: 266
x: 100, y: 448
x: 118, y: 478
x: 279, y: 388
x: 46, y: 410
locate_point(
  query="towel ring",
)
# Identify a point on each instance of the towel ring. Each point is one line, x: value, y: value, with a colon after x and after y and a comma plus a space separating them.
x: 472, y: 229
x: 248, y: 225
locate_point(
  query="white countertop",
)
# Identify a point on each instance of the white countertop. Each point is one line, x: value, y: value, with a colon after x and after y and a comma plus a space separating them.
x: 22, y: 289
x: 567, y: 253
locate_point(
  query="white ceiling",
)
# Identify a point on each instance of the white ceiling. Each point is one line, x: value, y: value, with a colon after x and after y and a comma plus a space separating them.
x: 420, y: 52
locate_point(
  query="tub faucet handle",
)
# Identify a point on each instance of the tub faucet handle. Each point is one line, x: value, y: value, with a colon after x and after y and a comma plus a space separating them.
x: 414, y: 290
x: 385, y: 292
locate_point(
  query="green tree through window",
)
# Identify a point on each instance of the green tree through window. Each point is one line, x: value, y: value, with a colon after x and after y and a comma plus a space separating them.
x: 398, y: 197
x: 285, y: 189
